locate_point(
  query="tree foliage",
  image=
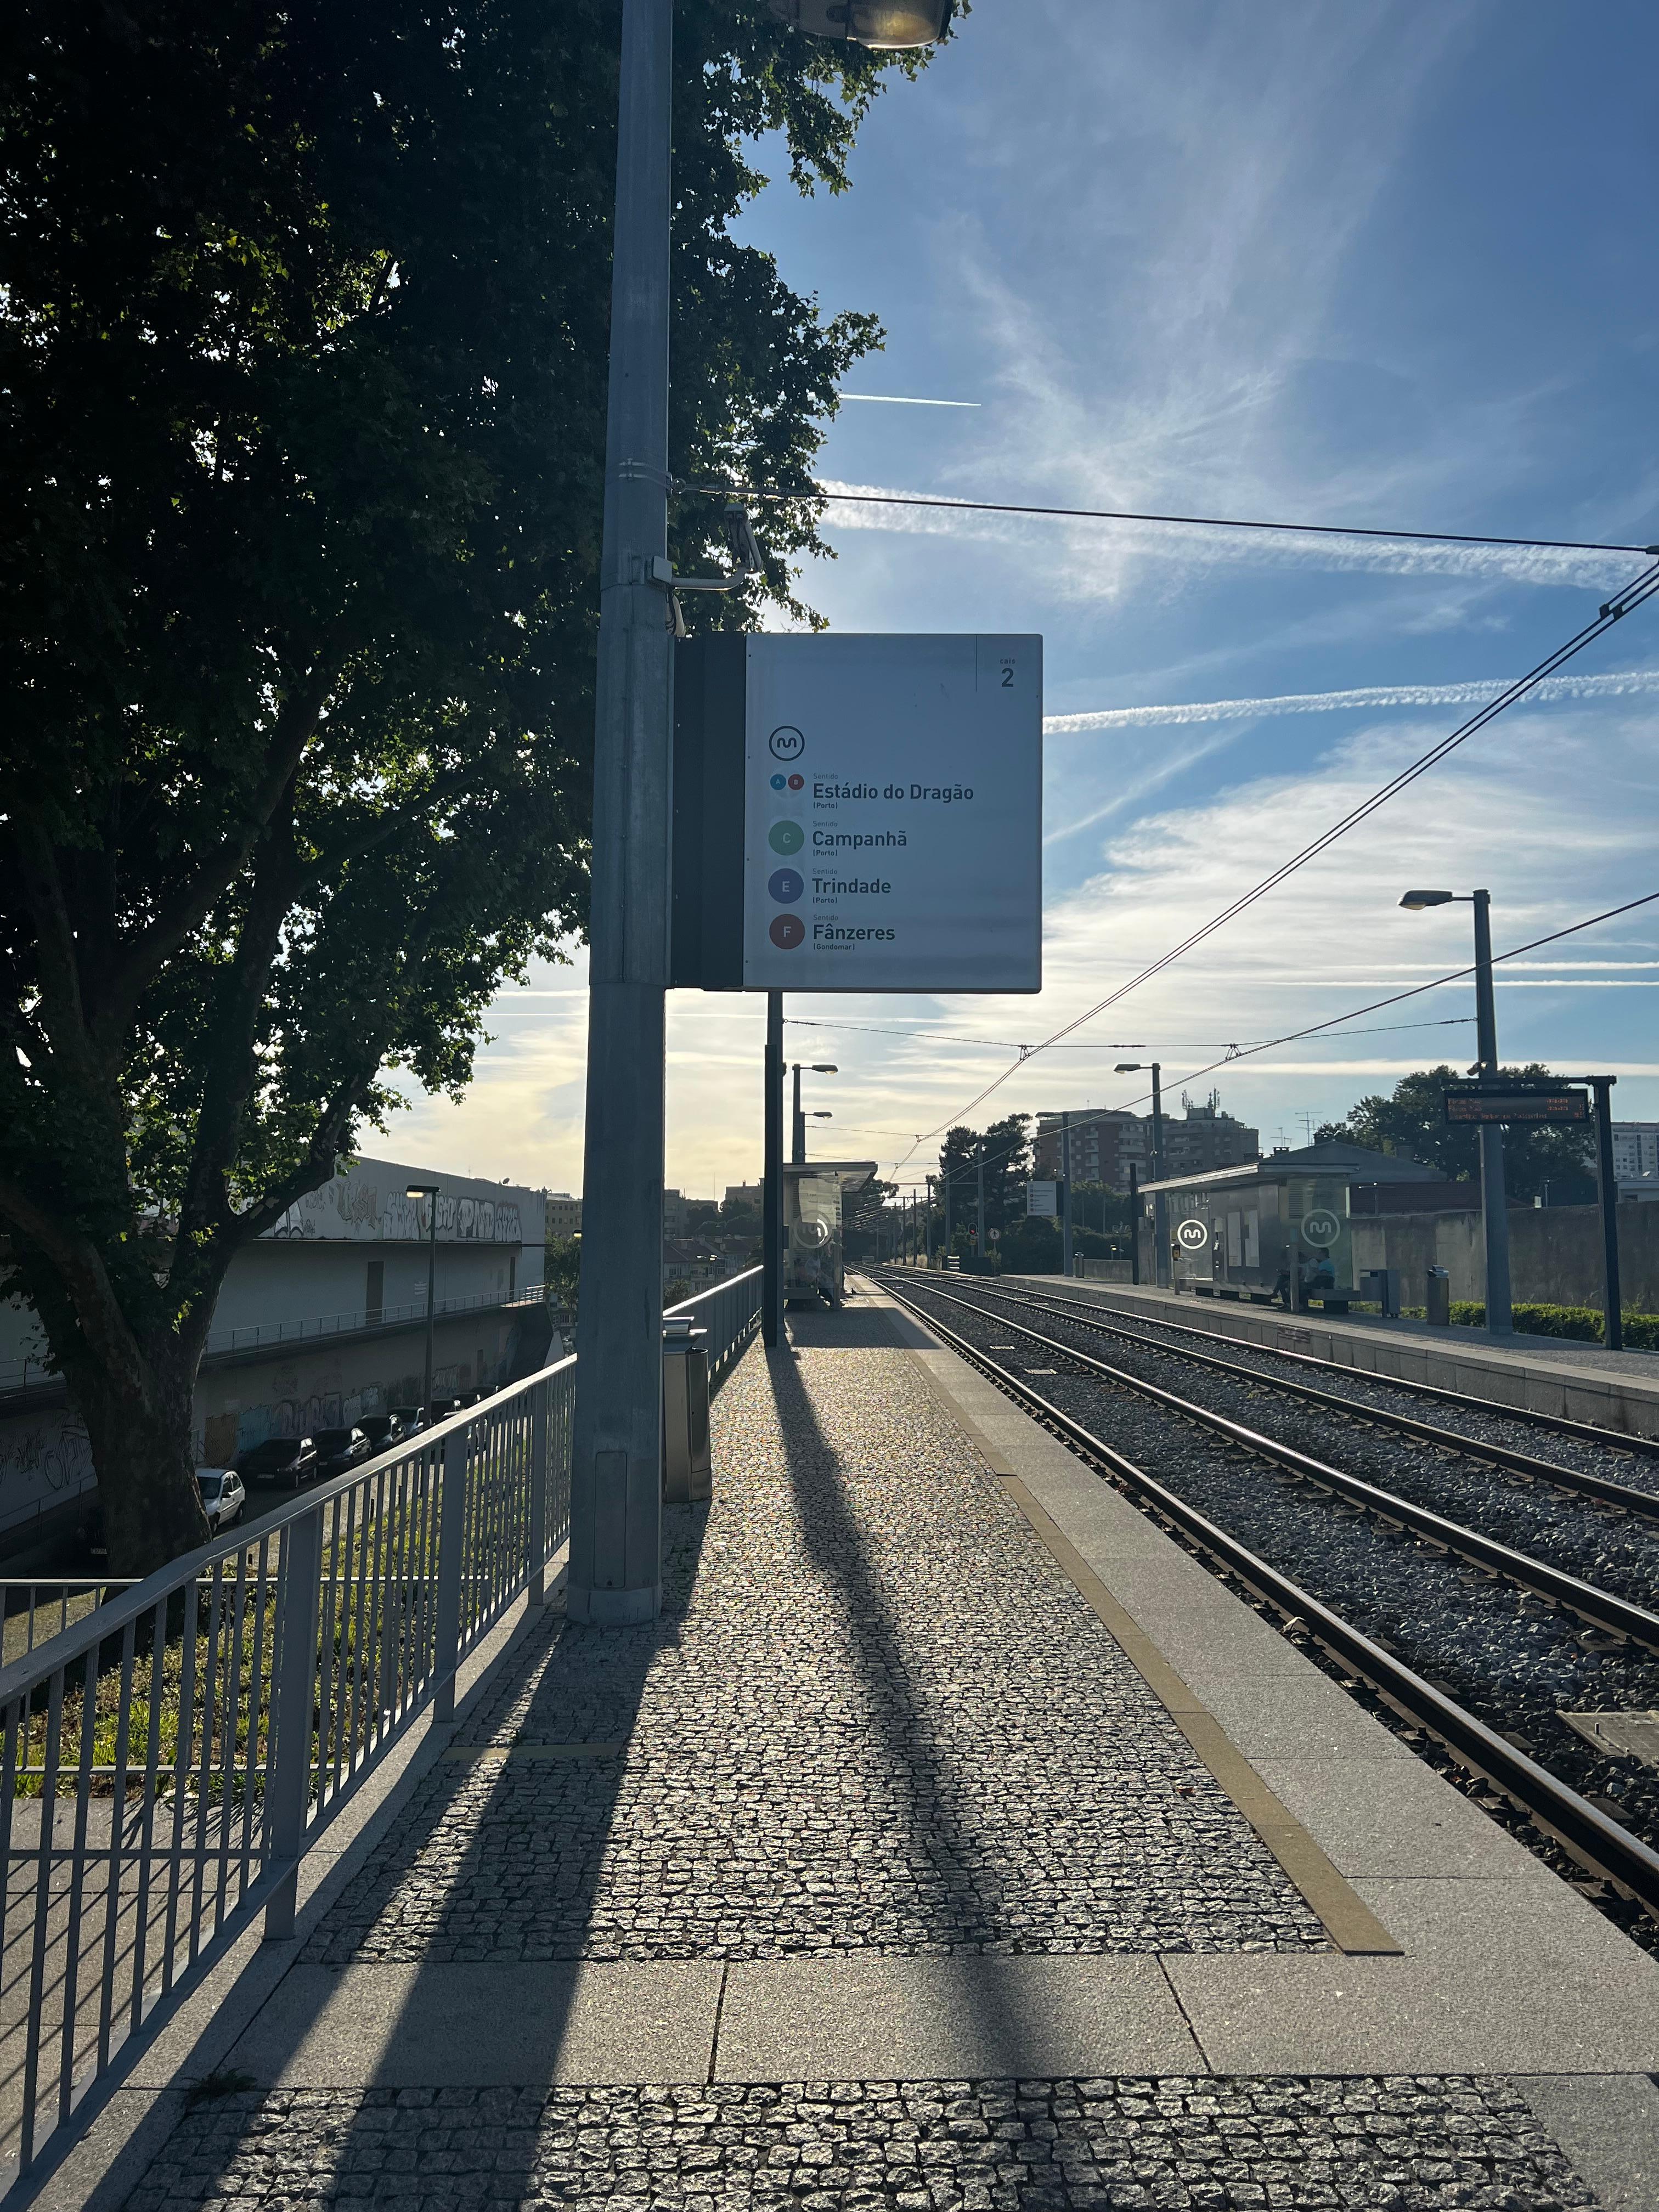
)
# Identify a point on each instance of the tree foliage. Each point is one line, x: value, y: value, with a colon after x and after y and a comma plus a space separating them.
x: 1412, y: 1120
x: 1007, y: 1154
x: 302, y: 368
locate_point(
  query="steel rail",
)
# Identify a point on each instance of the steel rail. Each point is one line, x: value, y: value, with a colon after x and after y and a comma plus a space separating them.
x: 1601, y: 1487
x: 1600, y: 1607
x: 1600, y: 1845
x: 1589, y: 1432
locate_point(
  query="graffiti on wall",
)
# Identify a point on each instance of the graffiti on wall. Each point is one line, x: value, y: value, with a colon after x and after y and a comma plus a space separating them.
x: 362, y: 1204
x: 45, y: 1461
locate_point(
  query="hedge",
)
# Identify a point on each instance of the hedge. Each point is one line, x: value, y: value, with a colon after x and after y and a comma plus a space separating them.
x: 1581, y: 1323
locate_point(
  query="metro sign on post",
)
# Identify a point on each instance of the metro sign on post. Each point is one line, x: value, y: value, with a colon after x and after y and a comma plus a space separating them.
x: 858, y: 813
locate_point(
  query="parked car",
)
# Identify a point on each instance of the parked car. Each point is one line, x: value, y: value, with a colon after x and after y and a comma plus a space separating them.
x: 340, y: 1449
x: 280, y: 1461
x: 224, y: 1496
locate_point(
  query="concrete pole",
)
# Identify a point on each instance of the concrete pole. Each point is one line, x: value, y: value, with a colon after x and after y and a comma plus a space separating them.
x: 927, y: 1228
x: 1066, y: 1194
x: 797, y: 1147
x: 979, y: 1201
x: 1134, y: 1224
x: 772, y: 1195
x: 1494, y: 1203
x: 616, y: 1500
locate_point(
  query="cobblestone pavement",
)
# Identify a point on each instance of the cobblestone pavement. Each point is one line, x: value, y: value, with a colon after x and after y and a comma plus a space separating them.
x: 1392, y: 2145
x: 874, y: 1717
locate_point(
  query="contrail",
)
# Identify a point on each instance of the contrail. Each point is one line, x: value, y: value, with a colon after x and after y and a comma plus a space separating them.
x: 893, y: 400
x: 1628, y: 684
x: 1190, y: 544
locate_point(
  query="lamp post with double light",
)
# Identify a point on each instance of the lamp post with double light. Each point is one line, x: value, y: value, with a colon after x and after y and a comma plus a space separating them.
x: 1160, y: 1211
x: 615, y: 1574
x: 797, y: 1147
x: 1494, y: 1203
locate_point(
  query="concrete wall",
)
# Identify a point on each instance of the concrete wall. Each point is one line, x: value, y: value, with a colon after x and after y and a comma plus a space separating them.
x: 1555, y: 1253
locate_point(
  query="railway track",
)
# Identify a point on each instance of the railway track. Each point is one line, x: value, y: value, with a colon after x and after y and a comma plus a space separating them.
x: 1604, y: 1846
x: 1624, y: 1497
x: 1620, y: 1441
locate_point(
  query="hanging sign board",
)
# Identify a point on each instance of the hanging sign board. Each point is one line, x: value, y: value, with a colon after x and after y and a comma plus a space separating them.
x: 1516, y: 1102
x: 1042, y: 1198
x: 858, y: 813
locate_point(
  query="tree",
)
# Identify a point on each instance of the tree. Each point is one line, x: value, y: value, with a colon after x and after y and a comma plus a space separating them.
x: 303, y: 323
x: 1007, y: 1153
x: 1412, y: 1120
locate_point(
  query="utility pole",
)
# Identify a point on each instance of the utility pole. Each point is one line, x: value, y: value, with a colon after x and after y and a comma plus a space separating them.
x: 615, y: 1496
x: 1134, y: 1223
x: 1612, y: 1309
x: 1066, y: 1194
x: 797, y: 1134
x: 979, y: 1199
x: 772, y: 1194
x: 927, y: 1228
x: 1494, y: 1201
x: 1160, y: 1221
x: 950, y: 1225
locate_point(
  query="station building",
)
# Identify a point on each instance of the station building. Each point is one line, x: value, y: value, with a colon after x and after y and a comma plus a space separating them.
x: 1236, y: 1231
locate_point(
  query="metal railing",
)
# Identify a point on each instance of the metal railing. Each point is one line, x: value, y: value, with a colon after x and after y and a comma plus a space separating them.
x: 167, y: 1758
x: 730, y: 1311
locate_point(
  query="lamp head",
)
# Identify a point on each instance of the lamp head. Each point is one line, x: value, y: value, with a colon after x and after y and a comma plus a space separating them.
x: 878, y: 23
x: 422, y: 1190
x: 1127, y: 1068
x: 1414, y: 901
x: 826, y: 1067
x: 821, y: 1114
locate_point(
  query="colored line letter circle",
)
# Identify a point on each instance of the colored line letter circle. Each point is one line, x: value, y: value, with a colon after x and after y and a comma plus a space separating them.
x: 785, y: 837
x: 787, y: 931
x: 785, y: 885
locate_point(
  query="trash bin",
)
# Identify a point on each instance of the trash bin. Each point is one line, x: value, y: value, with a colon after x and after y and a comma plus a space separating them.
x: 1383, y: 1283
x: 1439, y: 1296
x: 687, y: 1469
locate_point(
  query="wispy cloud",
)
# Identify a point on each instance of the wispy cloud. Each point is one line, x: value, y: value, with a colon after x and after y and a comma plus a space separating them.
x: 1628, y: 684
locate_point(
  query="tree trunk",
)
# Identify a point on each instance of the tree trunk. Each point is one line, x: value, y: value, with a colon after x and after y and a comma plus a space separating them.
x: 140, y: 1433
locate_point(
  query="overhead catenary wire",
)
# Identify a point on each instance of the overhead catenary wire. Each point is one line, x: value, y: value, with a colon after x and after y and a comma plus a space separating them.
x: 1082, y: 1116
x: 1641, y: 588
x: 1185, y: 521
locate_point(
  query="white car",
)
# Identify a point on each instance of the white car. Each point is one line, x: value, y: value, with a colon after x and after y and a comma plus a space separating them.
x: 223, y: 1495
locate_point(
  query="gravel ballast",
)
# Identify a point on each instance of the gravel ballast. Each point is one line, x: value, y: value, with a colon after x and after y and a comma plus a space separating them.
x: 1503, y: 1654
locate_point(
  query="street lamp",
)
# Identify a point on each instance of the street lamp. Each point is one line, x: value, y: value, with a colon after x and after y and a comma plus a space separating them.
x: 615, y: 1573
x: 798, y: 1151
x: 880, y: 23
x: 429, y: 1191
x: 1160, y: 1215
x: 1494, y: 1202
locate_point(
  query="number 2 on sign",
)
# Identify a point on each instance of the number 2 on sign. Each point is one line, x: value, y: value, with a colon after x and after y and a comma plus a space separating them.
x: 1007, y: 676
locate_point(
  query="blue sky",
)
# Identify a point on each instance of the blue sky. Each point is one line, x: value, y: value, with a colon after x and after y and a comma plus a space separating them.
x: 1367, y: 264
